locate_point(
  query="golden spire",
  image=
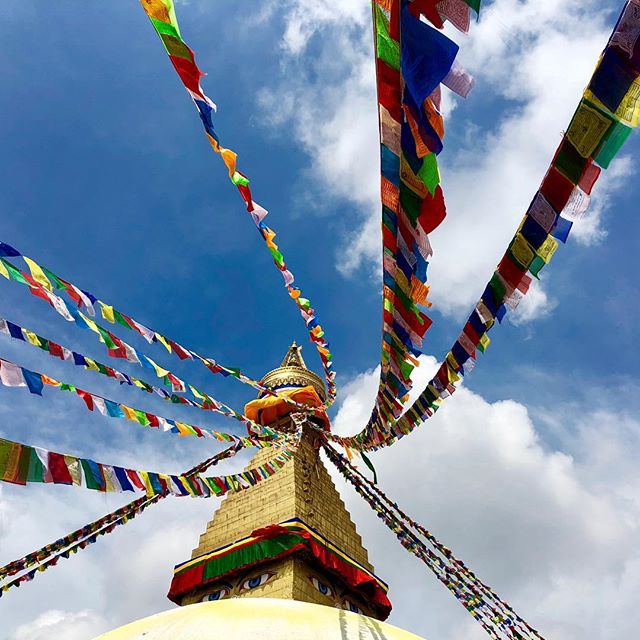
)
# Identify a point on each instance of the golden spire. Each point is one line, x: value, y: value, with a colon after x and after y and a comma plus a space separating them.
x: 293, y: 372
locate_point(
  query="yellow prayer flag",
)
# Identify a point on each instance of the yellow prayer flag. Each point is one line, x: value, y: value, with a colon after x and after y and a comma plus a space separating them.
x: 3, y: 271
x: 163, y: 340
x: 451, y: 374
x: 91, y: 365
x: 32, y: 338
x: 109, y: 484
x: 485, y: 341
x: 547, y: 249
x: 587, y: 129
x: 160, y: 372
x: 144, y: 476
x: 91, y: 324
x: 38, y: 274
x: 107, y: 312
x: 75, y: 469
x: 522, y: 250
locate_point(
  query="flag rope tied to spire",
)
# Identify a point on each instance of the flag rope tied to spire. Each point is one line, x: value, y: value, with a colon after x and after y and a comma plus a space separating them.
x: 49, y: 555
x: 495, y: 616
x: 604, y: 119
x: 23, y: 464
x: 30, y: 379
x: 162, y: 15
x: 13, y: 375
x: 42, y: 283
x: 413, y: 59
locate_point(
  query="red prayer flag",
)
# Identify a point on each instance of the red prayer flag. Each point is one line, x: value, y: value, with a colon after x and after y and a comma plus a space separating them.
x: 87, y: 397
x: 58, y: 469
x: 432, y: 211
x: 55, y: 350
x: 557, y: 189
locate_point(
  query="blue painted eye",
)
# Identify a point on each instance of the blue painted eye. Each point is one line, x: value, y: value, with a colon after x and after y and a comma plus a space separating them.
x: 323, y: 588
x: 256, y: 581
x: 218, y: 594
x: 349, y: 606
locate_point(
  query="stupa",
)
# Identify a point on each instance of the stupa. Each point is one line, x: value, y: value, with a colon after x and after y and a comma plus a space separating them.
x: 282, y: 559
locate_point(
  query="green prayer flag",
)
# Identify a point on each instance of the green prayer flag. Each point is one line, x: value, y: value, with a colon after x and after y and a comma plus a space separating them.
x: 119, y: 318
x: 570, y: 162
x: 13, y: 272
x: 238, y: 179
x: 615, y: 138
x: 141, y: 417
x: 474, y: 4
x: 388, y: 49
x: 164, y: 28
x: 498, y: 288
x: 369, y: 464
x: 57, y: 283
x: 36, y: 468
x: 536, y: 266
x: 429, y: 173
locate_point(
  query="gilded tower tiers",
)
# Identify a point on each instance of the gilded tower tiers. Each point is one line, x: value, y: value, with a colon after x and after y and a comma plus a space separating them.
x: 289, y: 536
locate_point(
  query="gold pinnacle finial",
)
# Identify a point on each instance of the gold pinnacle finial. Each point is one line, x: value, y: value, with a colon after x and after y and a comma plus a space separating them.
x: 294, y: 357
x: 293, y: 372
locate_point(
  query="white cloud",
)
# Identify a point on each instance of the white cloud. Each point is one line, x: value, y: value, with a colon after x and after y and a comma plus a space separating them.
x: 551, y: 530
x: 534, y: 56
x: 60, y: 624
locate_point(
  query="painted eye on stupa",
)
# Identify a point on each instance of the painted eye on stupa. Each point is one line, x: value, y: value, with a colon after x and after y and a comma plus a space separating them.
x: 218, y: 594
x: 256, y: 581
x: 322, y: 587
x: 350, y: 606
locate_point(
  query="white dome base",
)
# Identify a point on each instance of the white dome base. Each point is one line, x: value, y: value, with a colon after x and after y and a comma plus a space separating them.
x: 258, y: 619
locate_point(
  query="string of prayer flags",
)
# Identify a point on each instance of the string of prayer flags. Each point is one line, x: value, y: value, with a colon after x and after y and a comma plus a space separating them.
x: 22, y: 464
x: 70, y: 544
x: 495, y: 615
x: 604, y: 119
x: 162, y: 15
x: 412, y: 60
x: 13, y: 375
x: 90, y: 536
x: 207, y: 403
x: 117, y: 348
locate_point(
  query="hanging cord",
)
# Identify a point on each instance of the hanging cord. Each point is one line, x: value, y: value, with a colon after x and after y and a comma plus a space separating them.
x: 49, y: 555
x: 496, y: 616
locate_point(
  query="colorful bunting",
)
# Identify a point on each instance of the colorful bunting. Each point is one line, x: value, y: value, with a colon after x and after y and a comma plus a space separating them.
x: 70, y: 544
x: 495, y: 615
x: 412, y: 60
x: 22, y: 464
x: 12, y: 375
x: 117, y: 348
x: 608, y: 111
x: 162, y: 15
x: 35, y: 384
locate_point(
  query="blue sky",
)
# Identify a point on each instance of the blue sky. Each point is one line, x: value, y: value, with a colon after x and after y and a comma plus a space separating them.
x: 108, y: 180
